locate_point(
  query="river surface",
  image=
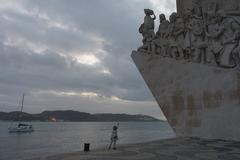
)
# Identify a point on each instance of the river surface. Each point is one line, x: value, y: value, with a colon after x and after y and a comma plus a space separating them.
x: 62, y: 137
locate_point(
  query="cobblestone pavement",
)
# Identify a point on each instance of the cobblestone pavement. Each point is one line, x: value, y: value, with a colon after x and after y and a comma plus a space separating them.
x: 171, y: 149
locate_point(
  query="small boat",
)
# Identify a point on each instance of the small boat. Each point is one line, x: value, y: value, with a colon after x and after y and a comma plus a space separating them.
x: 21, y: 127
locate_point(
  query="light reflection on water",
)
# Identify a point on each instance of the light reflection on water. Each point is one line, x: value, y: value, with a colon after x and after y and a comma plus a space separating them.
x: 62, y: 137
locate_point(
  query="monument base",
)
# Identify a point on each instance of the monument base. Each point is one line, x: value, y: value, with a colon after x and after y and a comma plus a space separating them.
x: 198, y: 100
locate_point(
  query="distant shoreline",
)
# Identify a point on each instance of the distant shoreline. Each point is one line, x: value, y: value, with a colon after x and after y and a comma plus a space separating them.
x: 74, y: 116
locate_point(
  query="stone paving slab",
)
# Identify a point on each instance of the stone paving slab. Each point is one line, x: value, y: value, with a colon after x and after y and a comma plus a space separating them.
x: 171, y: 149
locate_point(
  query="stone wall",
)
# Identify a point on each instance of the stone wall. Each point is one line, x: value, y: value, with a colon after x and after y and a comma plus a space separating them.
x: 198, y: 100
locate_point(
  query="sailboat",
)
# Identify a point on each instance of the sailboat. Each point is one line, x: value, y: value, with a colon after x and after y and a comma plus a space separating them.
x: 21, y: 127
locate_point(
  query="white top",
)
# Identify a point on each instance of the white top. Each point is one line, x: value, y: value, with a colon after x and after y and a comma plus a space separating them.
x: 114, y: 135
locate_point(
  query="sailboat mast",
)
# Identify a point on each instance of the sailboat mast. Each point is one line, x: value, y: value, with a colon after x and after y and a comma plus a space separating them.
x: 22, y: 103
x: 20, y: 116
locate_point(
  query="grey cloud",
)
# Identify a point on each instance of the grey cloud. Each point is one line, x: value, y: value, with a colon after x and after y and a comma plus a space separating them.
x: 37, y: 31
x: 115, y: 22
x: 50, y: 71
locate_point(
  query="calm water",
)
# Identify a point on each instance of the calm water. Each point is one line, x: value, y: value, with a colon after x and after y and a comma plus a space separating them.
x: 61, y: 137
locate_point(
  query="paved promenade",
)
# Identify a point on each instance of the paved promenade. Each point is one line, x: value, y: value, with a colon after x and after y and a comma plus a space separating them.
x: 172, y: 149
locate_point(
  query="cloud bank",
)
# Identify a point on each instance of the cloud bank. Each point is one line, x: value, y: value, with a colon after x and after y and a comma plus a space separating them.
x: 74, y: 55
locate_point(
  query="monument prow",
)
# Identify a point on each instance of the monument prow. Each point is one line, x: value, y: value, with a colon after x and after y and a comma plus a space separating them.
x: 191, y: 65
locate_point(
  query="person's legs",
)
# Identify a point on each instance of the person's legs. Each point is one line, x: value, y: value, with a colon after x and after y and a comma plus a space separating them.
x: 110, y: 145
x: 114, y: 144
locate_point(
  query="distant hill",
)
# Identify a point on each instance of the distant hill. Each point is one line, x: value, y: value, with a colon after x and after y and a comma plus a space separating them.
x: 73, y: 116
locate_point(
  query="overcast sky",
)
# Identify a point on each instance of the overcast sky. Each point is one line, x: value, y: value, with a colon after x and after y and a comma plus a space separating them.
x: 74, y: 54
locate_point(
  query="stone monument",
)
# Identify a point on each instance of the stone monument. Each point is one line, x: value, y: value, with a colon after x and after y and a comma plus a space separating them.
x: 191, y: 64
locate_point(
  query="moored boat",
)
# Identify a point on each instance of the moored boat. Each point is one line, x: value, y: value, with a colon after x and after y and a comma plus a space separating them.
x: 21, y: 127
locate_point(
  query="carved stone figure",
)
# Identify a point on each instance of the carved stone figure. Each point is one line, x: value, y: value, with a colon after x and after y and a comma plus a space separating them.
x: 187, y: 17
x: 236, y: 52
x: 227, y: 39
x: 213, y: 32
x: 176, y: 36
x: 160, y: 43
x: 147, y: 30
x: 197, y: 37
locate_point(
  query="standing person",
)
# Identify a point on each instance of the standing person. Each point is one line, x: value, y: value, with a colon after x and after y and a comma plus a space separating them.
x: 114, y: 137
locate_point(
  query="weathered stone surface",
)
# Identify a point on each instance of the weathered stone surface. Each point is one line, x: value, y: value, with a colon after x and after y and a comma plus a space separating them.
x: 229, y: 5
x: 198, y: 100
